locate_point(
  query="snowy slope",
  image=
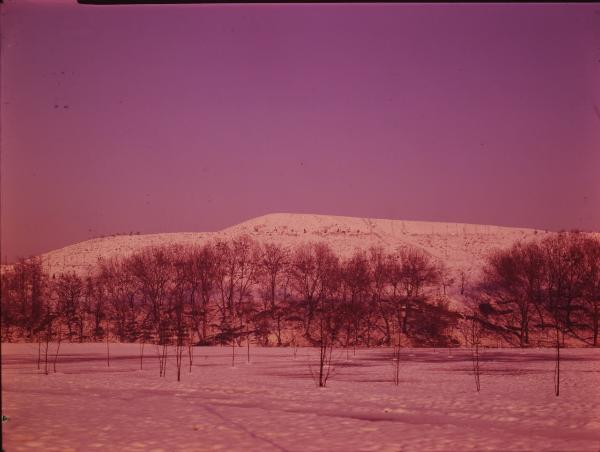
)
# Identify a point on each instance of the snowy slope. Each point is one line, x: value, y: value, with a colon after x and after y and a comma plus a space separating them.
x: 462, y: 247
x: 83, y: 257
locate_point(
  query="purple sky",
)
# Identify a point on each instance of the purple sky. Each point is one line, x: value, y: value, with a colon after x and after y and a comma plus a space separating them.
x: 194, y: 118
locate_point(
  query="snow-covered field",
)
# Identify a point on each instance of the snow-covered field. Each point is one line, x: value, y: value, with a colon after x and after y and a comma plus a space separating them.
x: 273, y: 404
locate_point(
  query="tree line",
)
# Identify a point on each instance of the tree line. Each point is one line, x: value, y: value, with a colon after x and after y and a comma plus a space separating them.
x: 237, y: 291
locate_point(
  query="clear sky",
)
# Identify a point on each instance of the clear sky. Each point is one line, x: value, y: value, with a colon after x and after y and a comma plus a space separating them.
x: 196, y: 117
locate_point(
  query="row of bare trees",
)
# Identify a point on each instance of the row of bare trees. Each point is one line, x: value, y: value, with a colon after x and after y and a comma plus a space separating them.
x: 230, y: 291
x: 238, y: 291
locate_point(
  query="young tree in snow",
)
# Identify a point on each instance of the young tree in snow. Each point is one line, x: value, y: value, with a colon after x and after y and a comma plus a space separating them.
x: 327, y: 321
x: 562, y: 282
x: 180, y: 305
x: 472, y: 330
x: 49, y: 325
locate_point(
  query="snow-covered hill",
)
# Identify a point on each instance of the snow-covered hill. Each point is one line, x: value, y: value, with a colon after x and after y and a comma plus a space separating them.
x: 462, y: 247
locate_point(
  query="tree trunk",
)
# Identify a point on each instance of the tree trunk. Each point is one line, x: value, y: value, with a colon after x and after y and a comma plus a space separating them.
x: 39, y: 351
x: 57, y: 350
x: 557, y: 366
x: 142, y: 355
x: 232, y: 351
x: 107, y: 345
x: 595, y: 318
x: 248, y: 341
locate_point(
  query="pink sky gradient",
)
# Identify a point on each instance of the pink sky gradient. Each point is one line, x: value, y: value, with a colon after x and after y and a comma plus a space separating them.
x: 196, y: 117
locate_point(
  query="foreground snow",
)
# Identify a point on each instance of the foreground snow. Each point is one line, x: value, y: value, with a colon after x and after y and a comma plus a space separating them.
x: 273, y: 404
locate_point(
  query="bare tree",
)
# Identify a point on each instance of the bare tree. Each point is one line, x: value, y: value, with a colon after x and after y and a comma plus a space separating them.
x: 472, y: 329
x: 273, y: 277
x: 419, y: 273
x: 202, y: 274
x: 69, y: 288
x: 475, y: 333
x: 379, y: 268
x: 326, y: 312
x: 356, y: 284
x: 591, y: 285
x: 226, y: 274
x: 24, y: 293
x: 562, y: 257
x: 94, y: 305
x: 181, y: 302
x: 122, y: 295
x: 396, y: 353
x: 554, y: 280
x: 310, y: 268
x: 47, y: 329
x: 151, y: 271
x: 511, y: 290
x: 446, y: 278
x: 235, y: 276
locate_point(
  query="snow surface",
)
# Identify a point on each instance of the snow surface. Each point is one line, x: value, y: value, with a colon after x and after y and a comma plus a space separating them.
x: 462, y: 247
x: 273, y: 404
